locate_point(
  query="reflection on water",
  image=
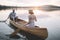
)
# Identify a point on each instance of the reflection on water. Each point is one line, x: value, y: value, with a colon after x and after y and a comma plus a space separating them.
x: 50, y: 20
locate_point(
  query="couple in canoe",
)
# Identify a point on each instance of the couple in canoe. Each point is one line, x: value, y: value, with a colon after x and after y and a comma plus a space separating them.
x: 30, y: 24
x: 31, y: 18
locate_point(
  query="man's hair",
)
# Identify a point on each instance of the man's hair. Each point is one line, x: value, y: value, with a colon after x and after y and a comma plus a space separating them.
x: 13, y: 10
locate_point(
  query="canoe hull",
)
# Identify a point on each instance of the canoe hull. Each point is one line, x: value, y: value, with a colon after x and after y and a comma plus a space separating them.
x: 42, y: 33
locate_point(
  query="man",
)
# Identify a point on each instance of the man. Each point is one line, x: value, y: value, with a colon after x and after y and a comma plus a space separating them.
x: 12, y: 15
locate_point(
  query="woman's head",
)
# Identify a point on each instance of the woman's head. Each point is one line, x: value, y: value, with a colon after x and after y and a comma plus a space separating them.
x: 31, y: 12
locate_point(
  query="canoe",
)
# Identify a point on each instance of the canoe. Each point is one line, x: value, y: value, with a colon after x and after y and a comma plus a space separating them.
x: 36, y: 32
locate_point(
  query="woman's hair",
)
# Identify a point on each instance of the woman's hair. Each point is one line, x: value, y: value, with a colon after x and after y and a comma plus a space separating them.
x: 31, y: 12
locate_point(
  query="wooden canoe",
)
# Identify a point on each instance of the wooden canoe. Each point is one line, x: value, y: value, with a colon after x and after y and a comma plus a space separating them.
x: 38, y: 32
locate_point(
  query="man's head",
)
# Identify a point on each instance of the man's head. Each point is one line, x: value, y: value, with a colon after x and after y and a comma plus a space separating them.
x: 13, y: 10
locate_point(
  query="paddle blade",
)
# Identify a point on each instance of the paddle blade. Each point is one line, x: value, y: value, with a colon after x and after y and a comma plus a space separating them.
x: 2, y: 21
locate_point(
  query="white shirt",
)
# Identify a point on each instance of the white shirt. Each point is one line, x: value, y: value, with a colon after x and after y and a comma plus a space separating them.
x: 31, y: 21
x: 12, y: 15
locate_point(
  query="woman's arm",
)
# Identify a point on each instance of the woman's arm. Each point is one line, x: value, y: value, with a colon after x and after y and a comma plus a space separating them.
x: 35, y: 18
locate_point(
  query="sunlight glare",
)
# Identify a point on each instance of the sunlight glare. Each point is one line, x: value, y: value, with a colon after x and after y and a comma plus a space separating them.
x: 37, y: 12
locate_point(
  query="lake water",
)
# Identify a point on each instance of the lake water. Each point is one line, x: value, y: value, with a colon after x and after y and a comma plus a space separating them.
x: 45, y: 19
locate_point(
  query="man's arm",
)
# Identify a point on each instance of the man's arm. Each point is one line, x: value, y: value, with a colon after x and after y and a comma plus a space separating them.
x: 8, y: 16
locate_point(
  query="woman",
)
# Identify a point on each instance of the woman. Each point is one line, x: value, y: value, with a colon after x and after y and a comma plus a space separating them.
x: 32, y: 19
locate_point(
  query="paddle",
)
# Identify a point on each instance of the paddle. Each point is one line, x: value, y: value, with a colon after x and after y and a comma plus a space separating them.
x: 2, y: 21
x: 5, y: 21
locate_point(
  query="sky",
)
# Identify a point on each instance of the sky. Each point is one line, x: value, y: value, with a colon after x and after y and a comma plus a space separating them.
x: 29, y: 2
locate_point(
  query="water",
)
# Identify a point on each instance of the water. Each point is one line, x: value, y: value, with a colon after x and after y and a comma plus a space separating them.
x: 49, y: 20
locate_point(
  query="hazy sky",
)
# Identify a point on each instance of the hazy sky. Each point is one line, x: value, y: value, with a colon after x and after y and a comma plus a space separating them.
x: 29, y: 2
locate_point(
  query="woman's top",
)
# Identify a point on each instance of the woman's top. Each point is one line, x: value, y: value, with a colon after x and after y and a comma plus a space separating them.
x: 32, y: 18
